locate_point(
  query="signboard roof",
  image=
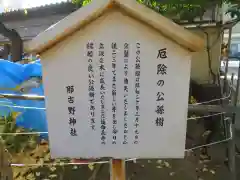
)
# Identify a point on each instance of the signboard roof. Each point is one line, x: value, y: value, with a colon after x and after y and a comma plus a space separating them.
x: 86, y: 14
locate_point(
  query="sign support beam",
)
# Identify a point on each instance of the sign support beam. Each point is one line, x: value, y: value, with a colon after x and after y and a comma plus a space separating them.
x: 117, y: 169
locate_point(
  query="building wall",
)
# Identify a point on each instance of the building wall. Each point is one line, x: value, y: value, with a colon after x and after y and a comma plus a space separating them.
x: 235, y: 39
x: 30, y: 28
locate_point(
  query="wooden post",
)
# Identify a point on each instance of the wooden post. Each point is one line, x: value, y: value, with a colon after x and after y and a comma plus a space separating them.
x: 5, y: 168
x: 117, y: 169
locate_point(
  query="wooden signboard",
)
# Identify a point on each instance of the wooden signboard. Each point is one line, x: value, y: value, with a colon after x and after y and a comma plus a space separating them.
x: 116, y: 80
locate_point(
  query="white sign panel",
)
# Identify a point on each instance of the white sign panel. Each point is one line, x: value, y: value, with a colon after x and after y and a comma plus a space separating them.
x: 131, y: 106
x: 118, y: 97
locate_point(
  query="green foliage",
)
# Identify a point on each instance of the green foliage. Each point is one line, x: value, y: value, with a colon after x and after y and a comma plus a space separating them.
x: 182, y: 9
x: 17, y: 144
x: 81, y: 2
x: 177, y: 9
x: 30, y: 149
x: 234, y: 11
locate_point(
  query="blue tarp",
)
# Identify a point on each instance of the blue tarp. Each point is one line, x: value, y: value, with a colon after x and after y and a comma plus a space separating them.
x: 12, y: 77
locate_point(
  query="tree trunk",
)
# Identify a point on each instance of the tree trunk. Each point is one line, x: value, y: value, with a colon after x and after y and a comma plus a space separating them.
x: 5, y: 52
x: 16, y: 42
x: 6, y: 172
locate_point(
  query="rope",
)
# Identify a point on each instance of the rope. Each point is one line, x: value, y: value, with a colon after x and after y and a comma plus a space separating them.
x: 208, y: 145
x: 105, y: 162
x: 214, y: 100
x: 22, y: 107
x: 22, y: 133
x: 200, y: 117
x: 37, y: 133
x: 65, y: 164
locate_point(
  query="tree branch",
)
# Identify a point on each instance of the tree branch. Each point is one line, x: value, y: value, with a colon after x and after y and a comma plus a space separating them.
x: 97, y: 169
